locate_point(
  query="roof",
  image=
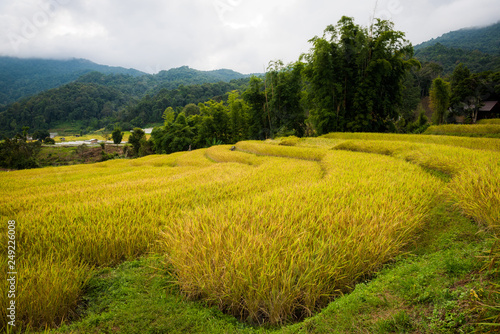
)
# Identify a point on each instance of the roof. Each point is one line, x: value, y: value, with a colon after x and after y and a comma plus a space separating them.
x: 488, y: 105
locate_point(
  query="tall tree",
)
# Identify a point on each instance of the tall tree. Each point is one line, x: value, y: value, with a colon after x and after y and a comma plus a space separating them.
x: 440, y: 100
x: 254, y: 96
x: 284, y: 95
x: 136, y: 138
x: 238, y: 115
x: 355, y: 76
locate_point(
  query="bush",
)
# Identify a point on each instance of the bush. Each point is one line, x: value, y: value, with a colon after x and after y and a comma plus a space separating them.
x: 18, y: 154
x: 117, y: 136
x: 49, y: 141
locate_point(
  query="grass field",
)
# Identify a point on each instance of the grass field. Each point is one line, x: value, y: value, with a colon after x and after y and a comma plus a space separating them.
x: 270, y: 234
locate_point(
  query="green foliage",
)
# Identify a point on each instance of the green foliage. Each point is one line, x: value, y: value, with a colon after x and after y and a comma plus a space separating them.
x: 484, y: 39
x: 49, y: 141
x: 238, y: 117
x: 421, y: 123
x: 168, y: 115
x: 16, y: 153
x: 117, y: 135
x: 440, y: 100
x: 136, y: 139
x: 173, y: 137
x: 283, y: 98
x: 355, y: 76
x: 98, y: 100
x: 41, y: 135
x: 255, y: 97
x: 449, y: 57
x: 26, y: 77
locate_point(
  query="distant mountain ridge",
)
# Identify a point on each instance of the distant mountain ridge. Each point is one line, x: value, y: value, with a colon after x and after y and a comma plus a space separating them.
x: 484, y: 39
x: 476, y: 48
x: 25, y: 77
x: 449, y: 58
x: 21, y: 78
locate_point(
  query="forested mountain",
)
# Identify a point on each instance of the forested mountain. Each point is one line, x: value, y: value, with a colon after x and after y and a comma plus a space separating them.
x: 137, y: 87
x: 484, y: 39
x: 95, y: 106
x: 24, y: 77
x: 449, y: 58
x: 477, y: 48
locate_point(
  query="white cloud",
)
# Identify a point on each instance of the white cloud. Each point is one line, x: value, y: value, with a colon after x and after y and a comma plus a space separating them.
x: 243, y: 35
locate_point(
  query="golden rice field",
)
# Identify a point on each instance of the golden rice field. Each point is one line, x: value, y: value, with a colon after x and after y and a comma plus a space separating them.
x: 489, y: 121
x: 268, y: 232
x: 487, y: 129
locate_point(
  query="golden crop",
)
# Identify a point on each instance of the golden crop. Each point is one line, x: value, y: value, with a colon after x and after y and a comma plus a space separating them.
x: 267, y: 232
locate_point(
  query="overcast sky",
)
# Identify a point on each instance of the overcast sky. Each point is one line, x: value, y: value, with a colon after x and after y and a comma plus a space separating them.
x: 243, y: 35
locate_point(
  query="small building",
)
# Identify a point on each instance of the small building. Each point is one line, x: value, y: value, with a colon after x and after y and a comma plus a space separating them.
x: 63, y: 139
x: 490, y: 109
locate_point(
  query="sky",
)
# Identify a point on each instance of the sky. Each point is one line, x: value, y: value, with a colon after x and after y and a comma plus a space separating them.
x: 242, y: 35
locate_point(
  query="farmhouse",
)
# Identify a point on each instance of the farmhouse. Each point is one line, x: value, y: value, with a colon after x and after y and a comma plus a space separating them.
x: 490, y: 109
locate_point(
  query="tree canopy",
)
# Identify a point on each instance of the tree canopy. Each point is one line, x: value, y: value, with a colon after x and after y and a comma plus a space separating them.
x: 354, y: 76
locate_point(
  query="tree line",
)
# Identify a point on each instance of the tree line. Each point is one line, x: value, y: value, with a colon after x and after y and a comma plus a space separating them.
x: 354, y: 78
x: 463, y: 94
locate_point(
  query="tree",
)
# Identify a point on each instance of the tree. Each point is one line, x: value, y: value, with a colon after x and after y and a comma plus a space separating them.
x: 41, y: 135
x: 215, y: 123
x: 440, y: 100
x: 191, y: 109
x: 18, y: 154
x: 238, y: 117
x: 117, y: 135
x: 168, y: 115
x: 284, y: 95
x: 173, y: 137
x: 254, y: 96
x: 466, y: 92
x: 135, y: 140
x: 354, y: 76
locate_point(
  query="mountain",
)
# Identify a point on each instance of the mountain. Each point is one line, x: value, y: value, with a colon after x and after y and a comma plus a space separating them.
x: 449, y: 58
x: 25, y: 77
x: 153, y: 83
x: 476, y: 48
x: 106, y: 101
x: 484, y: 39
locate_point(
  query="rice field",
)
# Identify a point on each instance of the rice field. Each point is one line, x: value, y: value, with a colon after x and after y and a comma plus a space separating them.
x: 489, y: 128
x: 270, y: 233
x: 489, y: 121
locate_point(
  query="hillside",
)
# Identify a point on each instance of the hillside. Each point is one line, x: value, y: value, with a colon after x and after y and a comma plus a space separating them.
x: 152, y: 84
x: 484, y: 39
x: 25, y: 77
x: 117, y: 100
x: 358, y: 233
x: 477, y: 48
x: 450, y: 57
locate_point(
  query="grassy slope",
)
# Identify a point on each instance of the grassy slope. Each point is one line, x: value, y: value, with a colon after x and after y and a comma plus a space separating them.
x: 435, y: 287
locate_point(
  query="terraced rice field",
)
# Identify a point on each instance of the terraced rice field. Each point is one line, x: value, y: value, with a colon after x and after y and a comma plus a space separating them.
x: 267, y: 232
